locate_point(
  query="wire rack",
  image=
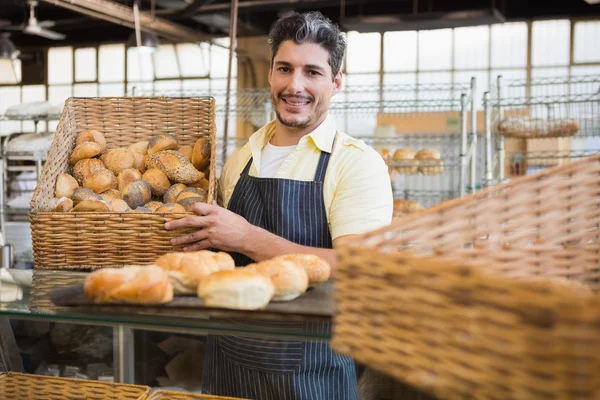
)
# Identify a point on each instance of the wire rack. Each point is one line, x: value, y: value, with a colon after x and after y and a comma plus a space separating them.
x: 564, y: 112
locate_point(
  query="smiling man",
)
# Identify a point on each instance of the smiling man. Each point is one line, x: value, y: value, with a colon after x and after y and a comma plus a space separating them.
x: 298, y: 186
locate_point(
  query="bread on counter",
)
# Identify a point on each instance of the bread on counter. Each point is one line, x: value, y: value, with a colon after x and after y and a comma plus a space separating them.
x: 238, y: 289
x: 317, y: 269
x: 131, y: 284
x: 290, y: 279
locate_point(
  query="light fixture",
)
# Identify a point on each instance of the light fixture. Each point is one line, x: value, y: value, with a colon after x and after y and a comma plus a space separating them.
x: 10, y: 73
x: 148, y: 42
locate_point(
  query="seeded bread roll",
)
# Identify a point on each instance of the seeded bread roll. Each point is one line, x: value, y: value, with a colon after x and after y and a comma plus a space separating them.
x: 91, y: 135
x: 137, y: 193
x: 153, y: 205
x: 172, y: 192
x: 201, y: 153
x: 86, y: 167
x: 162, y: 142
x: 84, y: 194
x: 64, y: 204
x: 158, y: 181
x: 85, y: 150
x: 192, y: 192
x: 92, y: 206
x: 126, y: 177
x: 170, y: 208
x: 175, y: 166
x: 289, y: 278
x: 238, y: 289
x: 190, y: 201
x: 101, y: 181
x: 65, y: 186
x: 140, y: 147
x: 117, y: 160
x: 186, y: 151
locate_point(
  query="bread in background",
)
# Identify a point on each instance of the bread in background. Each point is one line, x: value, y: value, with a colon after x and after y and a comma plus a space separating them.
x: 405, y: 207
x: 430, y: 162
x: 238, y: 289
x: 404, y: 160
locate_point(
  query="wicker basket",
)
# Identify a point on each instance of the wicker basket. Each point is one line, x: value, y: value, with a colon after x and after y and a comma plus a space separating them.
x: 490, y: 296
x: 87, y: 240
x: 44, y: 282
x: 174, y: 395
x: 17, y: 386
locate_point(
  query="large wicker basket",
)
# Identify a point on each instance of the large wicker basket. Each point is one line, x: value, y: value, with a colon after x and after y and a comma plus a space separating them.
x: 491, y: 296
x: 161, y: 394
x: 17, y: 386
x: 110, y: 239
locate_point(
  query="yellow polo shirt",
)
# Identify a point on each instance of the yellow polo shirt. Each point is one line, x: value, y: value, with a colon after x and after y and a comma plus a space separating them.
x: 357, y: 190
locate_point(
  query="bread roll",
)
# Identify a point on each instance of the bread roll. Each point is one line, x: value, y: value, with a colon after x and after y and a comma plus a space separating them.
x: 404, y: 207
x: 430, y: 161
x: 140, y: 147
x: 126, y: 177
x: 171, y: 194
x: 142, y: 209
x: 186, y: 270
x: 317, y: 269
x: 239, y: 289
x: 186, y: 151
x: 85, y: 150
x: 158, y: 181
x: 386, y: 154
x: 162, y: 142
x: 404, y: 161
x: 119, y: 205
x: 153, y: 205
x: 175, y: 166
x: 131, y: 284
x: 110, y: 195
x: 101, y: 181
x: 188, y: 202
x: 170, y: 208
x: 137, y: 193
x: 65, y: 186
x: 290, y: 279
x: 91, y: 135
x: 92, y: 206
x: 201, y: 153
x: 84, y: 194
x: 64, y: 204
x: 201, y: 184
x: 192, y: 192
x: 117, y: 160
x: 139, y: 162
x: 85, y: 168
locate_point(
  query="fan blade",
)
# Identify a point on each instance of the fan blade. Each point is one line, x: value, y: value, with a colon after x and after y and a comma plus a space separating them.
x: 48, y: 34
x: 46, y: 24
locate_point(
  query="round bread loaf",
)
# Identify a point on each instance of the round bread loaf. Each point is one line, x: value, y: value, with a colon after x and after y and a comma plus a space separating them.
x: 430, y: 161
x: 137, y: 193
x: 202, y: 184
x: 119, y: 205
x: 91, y: 135
x: 170, y: 208
x: 65, y: 186
x: 290, y: 279
x: 186, y: 151
x: 190, y: 201
x: 101, y: 181
x: 162, y: 142
x: 405, y: 163
x: 201, y: 153
x: 126, y: 177
x: 153, y: 205
x: 317, y: 268
x: 86, y: 167
x: 175, y: 166
x: 91, y: 206
x: 238, y: 289
x: 172, y: 192
x: 117, y: 160
x: 140, y: 147
x: 85, y: 150
x: 110, y: 194
x: 140, y: 162
x: 64, y: 204
x: 84, y: 194
x: 192, y: 192
x: 158, y: 181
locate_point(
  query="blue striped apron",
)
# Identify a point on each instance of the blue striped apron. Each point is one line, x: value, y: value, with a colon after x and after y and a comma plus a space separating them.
x: 255, y: 368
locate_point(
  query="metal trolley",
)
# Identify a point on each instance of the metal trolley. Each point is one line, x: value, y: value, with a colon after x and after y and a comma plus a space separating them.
x: 531, y: 125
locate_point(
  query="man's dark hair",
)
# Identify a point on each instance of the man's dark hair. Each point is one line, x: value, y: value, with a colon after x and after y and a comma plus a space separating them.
x: 310, y: 27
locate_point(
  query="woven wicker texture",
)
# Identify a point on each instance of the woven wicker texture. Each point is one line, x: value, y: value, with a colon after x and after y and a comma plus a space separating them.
x: 43, y: 282
x: 17, y: 386
x: 491, y: 296
x: 174, y: 395
x: 93, y: 240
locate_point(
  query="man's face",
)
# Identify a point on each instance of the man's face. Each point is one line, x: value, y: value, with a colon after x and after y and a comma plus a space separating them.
x: 302, y: 84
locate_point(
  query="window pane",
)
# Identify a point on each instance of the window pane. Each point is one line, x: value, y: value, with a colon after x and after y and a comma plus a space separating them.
x: 111, y: 89
x: 193, y: 59
x: 85, y: 90
x: 58, y: 94
x: 219, y: 62
x: 136, y: 70
x: 60, y: 65
x: 400, y: 51
x: 509, y: 45
x: 587, y: 45
x: 140, y: 88
x: 33, y: 93
x: 579, y: 71
x: 111, y: 63
x: 400, y: 79
x: 434, y: 77
x: 550, y: 42
x: 562, y: 72
x: 435, y: 49
x: 199, y: 85
x: 364, y: 52
x: 165, y: 62
x: 471, y: 47
x: 168, y: 88
x: 85, y: 64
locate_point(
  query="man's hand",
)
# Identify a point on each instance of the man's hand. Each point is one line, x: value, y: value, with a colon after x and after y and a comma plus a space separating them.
x: 216, y: 227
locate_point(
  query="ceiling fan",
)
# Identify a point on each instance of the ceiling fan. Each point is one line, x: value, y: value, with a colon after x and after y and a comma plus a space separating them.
x: 35, y: 27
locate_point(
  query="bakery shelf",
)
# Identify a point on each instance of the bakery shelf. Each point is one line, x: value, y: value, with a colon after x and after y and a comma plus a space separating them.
x: 426, y: 198
x: 553, y: 155
x: 32, y: 117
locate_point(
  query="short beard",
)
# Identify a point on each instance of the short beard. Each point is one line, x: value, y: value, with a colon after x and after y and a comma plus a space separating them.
x: 293, y: 124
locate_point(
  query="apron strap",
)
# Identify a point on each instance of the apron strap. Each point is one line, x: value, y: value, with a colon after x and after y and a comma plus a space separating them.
x: 247, y: 167
x: 323, y: 162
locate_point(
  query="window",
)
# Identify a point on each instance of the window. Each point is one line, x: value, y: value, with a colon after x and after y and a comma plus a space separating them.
x: 471, y: 47
x: 85, y: 64
x: 435, y: 49
x: 111, y: 63
x: 509, y: 45
x: 550, y: 43
x: 139, y: 65
x: 400, y: 51
x: 219, y: 61
x: 165, y: 62
x: 586, y: 44
x: 364, y: 52
x: 193, y: 59
x: 60, y: 65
